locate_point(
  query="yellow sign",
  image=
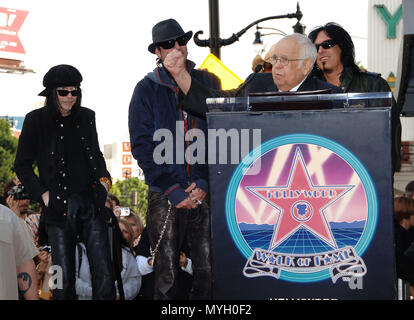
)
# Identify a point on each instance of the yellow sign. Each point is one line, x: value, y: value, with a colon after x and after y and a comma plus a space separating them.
x: 228, y: 79
x: 391, y: 81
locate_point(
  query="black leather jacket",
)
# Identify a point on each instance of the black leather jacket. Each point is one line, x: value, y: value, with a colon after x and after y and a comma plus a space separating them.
x: 360, y: 81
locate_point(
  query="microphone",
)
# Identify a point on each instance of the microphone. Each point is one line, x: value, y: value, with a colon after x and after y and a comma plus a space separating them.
x: 256, y: 71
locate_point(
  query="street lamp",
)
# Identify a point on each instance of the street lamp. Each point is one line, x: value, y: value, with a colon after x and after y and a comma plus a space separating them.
x: 258, y: 34
x: 215, y: 42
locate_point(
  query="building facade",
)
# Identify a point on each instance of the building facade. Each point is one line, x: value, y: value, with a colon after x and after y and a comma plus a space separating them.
x: 120, y: 162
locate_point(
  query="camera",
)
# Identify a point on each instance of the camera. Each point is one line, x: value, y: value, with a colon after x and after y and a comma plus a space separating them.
x: 18, y: 193
x: 48, y: 249
x: 125, y: 211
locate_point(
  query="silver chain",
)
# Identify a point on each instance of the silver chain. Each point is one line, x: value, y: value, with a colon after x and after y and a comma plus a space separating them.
x: 153, y: 252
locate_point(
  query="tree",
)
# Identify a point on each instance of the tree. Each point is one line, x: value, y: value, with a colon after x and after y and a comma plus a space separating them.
x: 133, y: 193
x: 8, y: 148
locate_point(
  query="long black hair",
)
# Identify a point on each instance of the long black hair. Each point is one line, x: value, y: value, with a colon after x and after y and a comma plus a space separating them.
x: 52, y: 101
x: 342, y: 38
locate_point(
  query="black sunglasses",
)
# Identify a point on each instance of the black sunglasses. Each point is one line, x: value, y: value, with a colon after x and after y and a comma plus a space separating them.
x: 327, y: 44
x: 182, y: 41
x: 64, y: 93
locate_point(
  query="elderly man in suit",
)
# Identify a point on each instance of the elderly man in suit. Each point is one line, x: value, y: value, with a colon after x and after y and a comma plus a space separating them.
x: 292, y: 61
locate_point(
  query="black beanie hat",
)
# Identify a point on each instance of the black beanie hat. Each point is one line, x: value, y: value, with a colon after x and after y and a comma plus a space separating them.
x: 62, y: 75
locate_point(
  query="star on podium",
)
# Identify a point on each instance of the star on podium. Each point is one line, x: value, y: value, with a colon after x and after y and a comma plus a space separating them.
x: 300, y: 204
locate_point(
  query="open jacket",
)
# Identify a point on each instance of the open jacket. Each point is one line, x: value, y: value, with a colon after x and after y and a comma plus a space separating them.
x: 41, y: 142
x: 157, y: 127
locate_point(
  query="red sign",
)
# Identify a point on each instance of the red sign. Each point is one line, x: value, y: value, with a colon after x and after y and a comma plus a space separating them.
x: 10, y: 22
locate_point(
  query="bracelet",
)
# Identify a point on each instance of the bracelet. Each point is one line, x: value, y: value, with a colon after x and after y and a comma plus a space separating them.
x: 106, y: 181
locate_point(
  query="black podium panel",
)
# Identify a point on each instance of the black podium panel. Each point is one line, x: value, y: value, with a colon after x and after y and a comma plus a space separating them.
x: 307, y: 213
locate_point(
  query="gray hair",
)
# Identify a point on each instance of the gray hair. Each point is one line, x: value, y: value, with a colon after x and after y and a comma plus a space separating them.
x: 308, y: 49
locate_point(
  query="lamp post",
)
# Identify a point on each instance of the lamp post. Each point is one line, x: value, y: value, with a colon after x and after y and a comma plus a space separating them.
x: 215, y: 42
x: 258, y: 34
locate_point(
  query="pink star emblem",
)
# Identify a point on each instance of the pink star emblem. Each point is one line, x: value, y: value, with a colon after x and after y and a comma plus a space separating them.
x: 301, y: 204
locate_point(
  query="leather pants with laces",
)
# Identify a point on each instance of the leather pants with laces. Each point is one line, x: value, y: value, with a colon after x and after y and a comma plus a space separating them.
x: 82, y: 219
x: 192, y: 226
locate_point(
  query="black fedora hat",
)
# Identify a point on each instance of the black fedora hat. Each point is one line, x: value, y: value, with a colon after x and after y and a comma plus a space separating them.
x: 62, y: 75
x: 167, y: 30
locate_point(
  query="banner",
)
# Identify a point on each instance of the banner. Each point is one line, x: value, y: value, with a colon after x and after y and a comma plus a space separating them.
x: 11, y: 21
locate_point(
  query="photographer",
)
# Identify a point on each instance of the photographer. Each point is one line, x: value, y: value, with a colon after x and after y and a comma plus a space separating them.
x: 18, y: 200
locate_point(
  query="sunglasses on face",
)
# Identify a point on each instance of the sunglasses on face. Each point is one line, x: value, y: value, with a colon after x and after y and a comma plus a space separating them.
x: 64, y: 93
x: 327, y: 44
x: 182, y: 41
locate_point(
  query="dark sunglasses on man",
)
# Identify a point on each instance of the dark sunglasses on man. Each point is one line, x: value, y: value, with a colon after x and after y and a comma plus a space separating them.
x: 182, y: 41
x: 64, y: 93
x: 327, y: 44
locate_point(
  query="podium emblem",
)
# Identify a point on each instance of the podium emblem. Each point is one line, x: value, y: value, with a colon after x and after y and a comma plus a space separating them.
x: 308, y: 215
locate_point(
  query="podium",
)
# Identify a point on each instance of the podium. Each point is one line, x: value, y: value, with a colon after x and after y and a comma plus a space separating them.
x: 301, y: 201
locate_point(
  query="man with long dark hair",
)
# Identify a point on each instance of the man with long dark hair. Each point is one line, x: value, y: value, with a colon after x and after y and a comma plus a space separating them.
x: 335, y: 63
x: 72, y: 183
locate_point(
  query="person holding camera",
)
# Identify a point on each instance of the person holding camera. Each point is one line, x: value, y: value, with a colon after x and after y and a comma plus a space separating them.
x: 42, y: 270
x: 18, y: 200
x: 72, y: 183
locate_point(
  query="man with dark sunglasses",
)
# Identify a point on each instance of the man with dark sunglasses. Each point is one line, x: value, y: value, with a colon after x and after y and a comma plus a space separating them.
x: 335, y: 64
x: 178, y: 208
x: 72, y: 181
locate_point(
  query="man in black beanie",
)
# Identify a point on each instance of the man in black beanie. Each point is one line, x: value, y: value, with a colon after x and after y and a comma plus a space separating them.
x: 72, y: 183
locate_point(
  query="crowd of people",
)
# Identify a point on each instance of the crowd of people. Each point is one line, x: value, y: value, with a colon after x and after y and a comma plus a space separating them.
x: 84, y: 243
x: 128, y: 234
x: 404, y: 236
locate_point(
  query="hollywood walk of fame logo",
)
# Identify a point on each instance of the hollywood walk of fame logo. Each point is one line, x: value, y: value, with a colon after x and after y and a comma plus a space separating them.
x: 291, y: 223
x: 297, y: 202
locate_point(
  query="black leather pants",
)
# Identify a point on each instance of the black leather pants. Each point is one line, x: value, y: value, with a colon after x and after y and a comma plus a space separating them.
x: 82, y: 219
x: 192, y: 226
